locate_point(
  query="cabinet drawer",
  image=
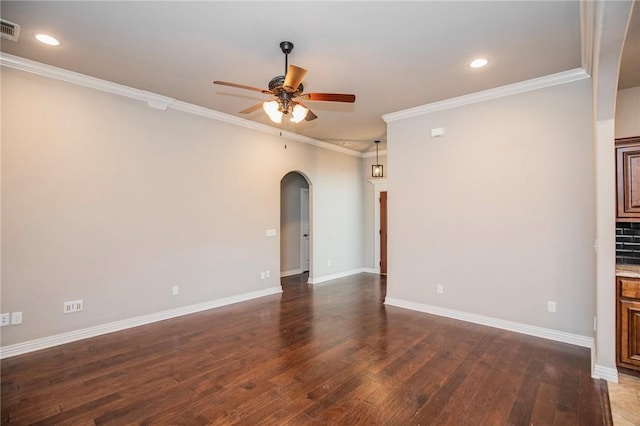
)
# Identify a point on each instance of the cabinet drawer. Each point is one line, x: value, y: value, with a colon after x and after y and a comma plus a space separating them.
x: 629, y: 288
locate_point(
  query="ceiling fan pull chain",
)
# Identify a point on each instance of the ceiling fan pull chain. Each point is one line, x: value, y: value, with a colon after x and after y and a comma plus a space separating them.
x: 284, y: 135
x: 285, y: 140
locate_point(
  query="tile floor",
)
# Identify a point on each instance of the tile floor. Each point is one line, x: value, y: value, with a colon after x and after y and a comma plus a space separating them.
x: 625, y: 400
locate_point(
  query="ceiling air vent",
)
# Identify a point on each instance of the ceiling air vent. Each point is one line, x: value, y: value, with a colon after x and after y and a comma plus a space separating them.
x: 9, y: 30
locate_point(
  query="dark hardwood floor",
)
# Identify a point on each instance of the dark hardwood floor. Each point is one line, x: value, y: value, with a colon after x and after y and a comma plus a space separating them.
x: 324, y: 354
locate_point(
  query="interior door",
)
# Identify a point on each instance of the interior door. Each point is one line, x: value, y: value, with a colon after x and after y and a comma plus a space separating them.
x: 383, y: 232
x: 304, y: 229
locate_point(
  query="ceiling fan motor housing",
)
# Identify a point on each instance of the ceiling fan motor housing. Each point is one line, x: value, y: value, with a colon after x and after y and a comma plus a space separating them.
x: 276, y: 82
x: 276, y: 85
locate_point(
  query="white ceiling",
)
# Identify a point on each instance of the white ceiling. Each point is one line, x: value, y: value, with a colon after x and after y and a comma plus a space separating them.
x: 391, y: 55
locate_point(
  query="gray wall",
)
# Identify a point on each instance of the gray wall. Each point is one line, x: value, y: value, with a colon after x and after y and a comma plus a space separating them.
x: 290, y: 221
x: 628, y: 113
x: 500, y: 210
x: 109, y: 201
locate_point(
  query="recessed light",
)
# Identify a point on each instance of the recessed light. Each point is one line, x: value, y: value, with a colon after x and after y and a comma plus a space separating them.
x: 478, y: 63
x: 47, y: 39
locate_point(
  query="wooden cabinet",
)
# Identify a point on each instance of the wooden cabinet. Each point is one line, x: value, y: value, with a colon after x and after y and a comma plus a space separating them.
x: 628, y: 179
x: 628, y: 322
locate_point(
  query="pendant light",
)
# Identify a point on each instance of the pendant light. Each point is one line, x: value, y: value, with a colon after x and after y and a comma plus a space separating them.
x: 376, y: 169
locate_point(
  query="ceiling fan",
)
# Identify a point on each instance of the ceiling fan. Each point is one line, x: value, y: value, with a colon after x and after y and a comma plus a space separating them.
x: 289, y: 91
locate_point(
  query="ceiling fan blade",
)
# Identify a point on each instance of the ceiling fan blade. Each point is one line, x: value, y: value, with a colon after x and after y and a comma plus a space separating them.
x: 242, y: 86
x: 294, y: 77
x: 251, y: 108
x: 310, y: 115
x: 332, y: 97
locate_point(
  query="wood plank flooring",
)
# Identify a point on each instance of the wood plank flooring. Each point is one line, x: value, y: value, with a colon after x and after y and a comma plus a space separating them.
x: 326, y: 354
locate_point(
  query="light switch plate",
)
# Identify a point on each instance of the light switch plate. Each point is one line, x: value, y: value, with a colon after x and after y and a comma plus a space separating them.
x: 16, y: 318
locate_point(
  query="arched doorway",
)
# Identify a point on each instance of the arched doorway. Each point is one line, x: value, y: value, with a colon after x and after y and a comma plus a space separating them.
x: 295, y: 225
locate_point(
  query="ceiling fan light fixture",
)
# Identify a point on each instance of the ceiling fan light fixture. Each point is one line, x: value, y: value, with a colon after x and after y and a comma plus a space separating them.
x: 298, y: 113
x: 273, y: 111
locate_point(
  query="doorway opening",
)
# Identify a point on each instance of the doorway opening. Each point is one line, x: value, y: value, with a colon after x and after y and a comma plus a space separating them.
x: 380, y: 225
x: 295, y: 225
x: 383, y: 232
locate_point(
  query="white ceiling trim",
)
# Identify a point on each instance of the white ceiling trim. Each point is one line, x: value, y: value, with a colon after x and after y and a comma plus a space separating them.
x: 486, y: 95
x: 61, y: 74
x: 373, y: 153
x: 157, y: 101
x: 220, y: 116
x: 587, y: 33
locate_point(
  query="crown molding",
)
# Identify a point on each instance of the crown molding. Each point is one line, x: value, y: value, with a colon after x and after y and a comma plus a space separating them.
x: 158, y: 101
x: 486, y: 95
x: 231, y: 119
x: 587, y: 33
x: 370, y: 154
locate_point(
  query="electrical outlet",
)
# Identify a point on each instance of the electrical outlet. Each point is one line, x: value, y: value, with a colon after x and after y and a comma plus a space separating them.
x: 262, y: 275
x: 551, y: 306
x: 440, y: 289
x: 268, y: 274
x: 72, y: 306
x: 5, y: 319
x: 328, y: 263
x: 16, y: 318
x: 175, y: 290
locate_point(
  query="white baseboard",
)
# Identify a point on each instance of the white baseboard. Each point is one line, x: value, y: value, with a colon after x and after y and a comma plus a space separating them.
x: 319, y: 280
x: 606, y: 373
x: 547, y: 333
x: 85, y: 333
x: 290, y: 272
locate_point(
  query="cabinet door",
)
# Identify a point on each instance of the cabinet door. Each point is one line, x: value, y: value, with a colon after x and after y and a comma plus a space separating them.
x: 628, y: 180
x: 630, y: 332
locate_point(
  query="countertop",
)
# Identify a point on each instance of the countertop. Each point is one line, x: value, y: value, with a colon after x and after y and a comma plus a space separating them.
x: 628, y: 271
